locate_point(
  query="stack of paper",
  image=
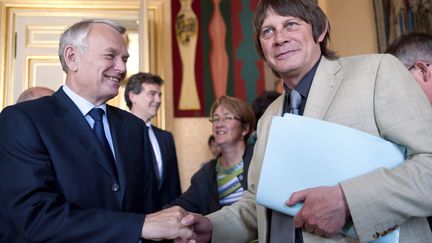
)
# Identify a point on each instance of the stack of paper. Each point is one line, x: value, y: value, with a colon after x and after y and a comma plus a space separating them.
x: 304, y: 153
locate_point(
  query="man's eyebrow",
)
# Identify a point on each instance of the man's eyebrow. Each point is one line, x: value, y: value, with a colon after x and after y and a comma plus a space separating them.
x: 110, y: 49
x: 266, y: 26
x: 115, y: 51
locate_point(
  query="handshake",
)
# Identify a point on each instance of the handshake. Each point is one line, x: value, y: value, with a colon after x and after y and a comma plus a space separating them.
x: 177, y: 224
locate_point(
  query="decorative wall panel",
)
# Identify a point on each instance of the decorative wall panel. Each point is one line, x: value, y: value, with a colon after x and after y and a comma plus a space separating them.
x: 213, y: 54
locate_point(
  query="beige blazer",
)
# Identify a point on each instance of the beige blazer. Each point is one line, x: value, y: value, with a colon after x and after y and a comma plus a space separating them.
x: 375, y: 94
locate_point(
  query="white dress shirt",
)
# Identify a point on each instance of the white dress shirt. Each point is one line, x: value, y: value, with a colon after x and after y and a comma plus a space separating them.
x: 156, y: 149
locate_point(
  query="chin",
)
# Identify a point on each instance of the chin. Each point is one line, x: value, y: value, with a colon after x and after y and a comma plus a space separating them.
x: 112, y: 95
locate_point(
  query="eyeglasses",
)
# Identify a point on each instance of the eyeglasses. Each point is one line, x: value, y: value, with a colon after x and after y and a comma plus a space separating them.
x: 225, y: 118
x: 413, y: 66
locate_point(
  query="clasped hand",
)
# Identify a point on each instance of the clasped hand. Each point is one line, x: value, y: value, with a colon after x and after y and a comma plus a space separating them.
x: 325, y: 210
x: 177, y: 224
x: 166, y: 224
x: 202, y: 228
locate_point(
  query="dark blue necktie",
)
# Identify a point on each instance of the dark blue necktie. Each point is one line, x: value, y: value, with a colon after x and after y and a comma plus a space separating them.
x: 98, y: 130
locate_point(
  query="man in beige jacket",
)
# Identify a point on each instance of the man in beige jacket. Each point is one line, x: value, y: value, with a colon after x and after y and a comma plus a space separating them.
x: 372, y: 93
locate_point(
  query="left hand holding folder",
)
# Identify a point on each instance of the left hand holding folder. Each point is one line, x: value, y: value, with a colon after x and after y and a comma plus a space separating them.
x: 325, y: 210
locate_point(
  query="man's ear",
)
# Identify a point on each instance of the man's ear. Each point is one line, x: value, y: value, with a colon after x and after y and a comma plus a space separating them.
x: 424, y: 71
x: 71, y: 58
x: 131, y: 97
x: 324, y: 32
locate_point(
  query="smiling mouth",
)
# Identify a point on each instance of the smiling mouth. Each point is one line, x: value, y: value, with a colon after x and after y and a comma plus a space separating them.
x: 284, y: 54
x: 114, y: 79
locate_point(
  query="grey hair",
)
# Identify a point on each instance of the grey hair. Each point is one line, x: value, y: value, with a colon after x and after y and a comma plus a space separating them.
x: 76, y: 35
x: 412, y: 47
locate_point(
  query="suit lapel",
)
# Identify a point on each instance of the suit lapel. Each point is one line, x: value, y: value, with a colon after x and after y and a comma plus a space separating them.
x: 119, y: 136
x: 74, y: 123
x: 161, y: 141
x: 324, y: 86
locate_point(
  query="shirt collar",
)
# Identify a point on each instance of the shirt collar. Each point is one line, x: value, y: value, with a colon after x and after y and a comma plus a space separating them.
x: 83, y: 105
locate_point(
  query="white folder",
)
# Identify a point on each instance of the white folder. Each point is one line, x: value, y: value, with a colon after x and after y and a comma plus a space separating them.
x: 304, y: 153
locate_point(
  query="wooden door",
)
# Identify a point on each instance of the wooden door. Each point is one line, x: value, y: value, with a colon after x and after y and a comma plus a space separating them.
x: 32, y: 36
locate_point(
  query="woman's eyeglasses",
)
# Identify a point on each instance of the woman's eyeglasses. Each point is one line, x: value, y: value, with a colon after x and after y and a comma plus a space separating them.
x: 225, y: 118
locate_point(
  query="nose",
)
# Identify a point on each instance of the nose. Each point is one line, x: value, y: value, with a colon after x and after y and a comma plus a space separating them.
x: 157, y: 98
x: 281, y: 36
x: 120, y: 66
x: 217, y: 125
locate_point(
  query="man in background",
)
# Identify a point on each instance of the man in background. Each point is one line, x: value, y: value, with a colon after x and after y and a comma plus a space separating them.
x: 143, y: 97
x: 34, y: 93
x: 259, y: 106
x: 372, y: 93
x: 74, y: 169
x: 414, y: 50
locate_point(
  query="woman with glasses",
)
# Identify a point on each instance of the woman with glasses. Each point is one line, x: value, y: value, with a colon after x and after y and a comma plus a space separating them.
x: 222, y: 180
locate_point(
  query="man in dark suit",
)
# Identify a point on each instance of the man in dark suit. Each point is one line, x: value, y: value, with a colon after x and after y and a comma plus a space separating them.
x: 74, y: 169
x: 143, y: 97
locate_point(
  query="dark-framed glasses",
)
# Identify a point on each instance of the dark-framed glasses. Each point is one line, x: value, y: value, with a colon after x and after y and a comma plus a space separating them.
x: 413, y: 66
x: 225, y: 118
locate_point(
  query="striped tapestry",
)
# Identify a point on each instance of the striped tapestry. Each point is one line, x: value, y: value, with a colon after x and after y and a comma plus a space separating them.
x: 243, y: 76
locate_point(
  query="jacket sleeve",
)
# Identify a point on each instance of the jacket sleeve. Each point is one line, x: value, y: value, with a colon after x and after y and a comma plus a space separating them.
x: 386, y: 198
x: 197, y: 197
x: 175, y: 190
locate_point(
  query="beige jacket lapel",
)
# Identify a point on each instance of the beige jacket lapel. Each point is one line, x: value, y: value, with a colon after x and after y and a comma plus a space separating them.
x: 324, y: 86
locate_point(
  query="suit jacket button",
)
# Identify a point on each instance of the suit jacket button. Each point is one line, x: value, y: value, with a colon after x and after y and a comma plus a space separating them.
x: 115, y: 187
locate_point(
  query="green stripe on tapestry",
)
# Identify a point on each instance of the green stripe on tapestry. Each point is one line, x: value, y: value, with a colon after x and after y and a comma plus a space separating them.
x: 247, y: 54
x: 206, y: 10
x: 225, y: 7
